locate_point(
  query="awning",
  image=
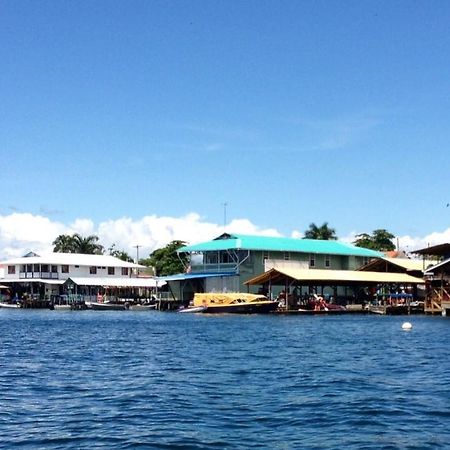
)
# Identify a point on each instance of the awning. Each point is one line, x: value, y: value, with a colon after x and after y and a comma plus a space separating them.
x: 331, y: 277
x: 32, y: 280
x: 193, y: 276
x: 117, y: 282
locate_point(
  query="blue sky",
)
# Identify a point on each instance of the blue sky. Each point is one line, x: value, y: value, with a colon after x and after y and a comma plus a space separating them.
x: 292, y: 112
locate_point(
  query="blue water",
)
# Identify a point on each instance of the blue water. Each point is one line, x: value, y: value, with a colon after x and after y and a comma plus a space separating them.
x: 125, y: 380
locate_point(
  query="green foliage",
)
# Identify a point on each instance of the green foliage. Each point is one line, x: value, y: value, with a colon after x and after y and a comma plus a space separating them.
x: 76, y: 243
x: 166, y: 260
x: 380, y: 240
x: 121, y: 254
x: 323, y: 232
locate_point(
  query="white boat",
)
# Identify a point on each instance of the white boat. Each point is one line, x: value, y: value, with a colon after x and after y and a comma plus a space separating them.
x: 65, y: 307
x: 9, y: 305
x: 192, y: 309
x: 144, y: 307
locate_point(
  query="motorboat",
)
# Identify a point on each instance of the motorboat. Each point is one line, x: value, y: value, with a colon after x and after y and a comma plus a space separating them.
x: 192, y: 309
x: 10, y: 305
x: 143, y: 307
x: 106, y: 306
x: 236, y: 302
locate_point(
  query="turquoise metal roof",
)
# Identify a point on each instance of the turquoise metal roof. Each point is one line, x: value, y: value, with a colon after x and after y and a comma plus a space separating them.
x: 280, y: 244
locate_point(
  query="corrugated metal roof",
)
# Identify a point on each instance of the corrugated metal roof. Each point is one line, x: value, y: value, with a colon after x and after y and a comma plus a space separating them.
x: 404, y: 263
x: 438, y: 268
x: 73, y: 259
x: 334, y: 276
x: 270, y: 243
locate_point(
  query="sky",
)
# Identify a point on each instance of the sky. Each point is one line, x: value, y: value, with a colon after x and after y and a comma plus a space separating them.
x: 147, y: 121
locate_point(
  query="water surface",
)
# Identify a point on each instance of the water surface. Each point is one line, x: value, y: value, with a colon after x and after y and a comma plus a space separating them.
x: 124, y: 380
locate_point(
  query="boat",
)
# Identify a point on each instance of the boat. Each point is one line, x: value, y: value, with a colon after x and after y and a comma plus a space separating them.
x: 236, y: 302
x: 106, y: 306
x: 10, y: 305
x: 61, y: 307
x: 143, y: 307
x: 192, y: 309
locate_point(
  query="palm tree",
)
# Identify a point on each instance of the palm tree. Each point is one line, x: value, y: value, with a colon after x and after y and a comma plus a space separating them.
x: 64, y: 244
x: 324, y: 232
x: 87, y: 245
x: 76, y: 243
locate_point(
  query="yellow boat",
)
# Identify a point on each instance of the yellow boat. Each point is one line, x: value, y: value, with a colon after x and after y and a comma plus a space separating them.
x: 236, y: 302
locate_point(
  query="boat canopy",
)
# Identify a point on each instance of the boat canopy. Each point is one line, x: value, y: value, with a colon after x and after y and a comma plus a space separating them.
x: 226, y: 298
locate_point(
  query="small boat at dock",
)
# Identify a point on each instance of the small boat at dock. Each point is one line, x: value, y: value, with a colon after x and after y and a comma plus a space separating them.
x: 234, y: 302
x: 10, y: 305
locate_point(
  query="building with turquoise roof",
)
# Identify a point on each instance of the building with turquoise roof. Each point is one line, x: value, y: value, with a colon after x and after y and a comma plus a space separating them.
x: 225, y: 263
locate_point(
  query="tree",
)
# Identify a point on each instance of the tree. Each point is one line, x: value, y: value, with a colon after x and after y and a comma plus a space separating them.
x: 380, y: 240
x: 323, y: 232
x: 121, y: 254
x: 76, y: 243
x: 64, y: 244
x: 166, y: 260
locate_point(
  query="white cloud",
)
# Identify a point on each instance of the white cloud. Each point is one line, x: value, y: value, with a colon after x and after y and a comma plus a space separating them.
x: 23, y: 232
x: 20, y: 233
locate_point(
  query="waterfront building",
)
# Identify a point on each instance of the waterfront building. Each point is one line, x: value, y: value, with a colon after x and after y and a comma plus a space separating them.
x: 227, y: 262
x: 437, y: 275
x: 42, y: 278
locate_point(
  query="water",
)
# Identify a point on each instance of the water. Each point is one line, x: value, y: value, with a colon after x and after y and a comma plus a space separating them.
x: 124, y: 380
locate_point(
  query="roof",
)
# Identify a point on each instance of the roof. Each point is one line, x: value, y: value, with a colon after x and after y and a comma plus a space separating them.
x: 117, y: 282
x: 270, y: 243
x: 443, y: 266
x: 341, y: 277
x: 406, y: 264
x: 74, y: 259
x: 195, y: 275
x: 436, y: 250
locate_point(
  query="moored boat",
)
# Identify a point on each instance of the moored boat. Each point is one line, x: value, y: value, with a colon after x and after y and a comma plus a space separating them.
x: 143, y: 307
x: 236, y: 302
x: 10, y: 305
x: 192, y: 309
x: 106, y: 306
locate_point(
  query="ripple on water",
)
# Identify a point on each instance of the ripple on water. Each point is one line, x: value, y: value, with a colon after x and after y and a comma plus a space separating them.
x: 155, y: 380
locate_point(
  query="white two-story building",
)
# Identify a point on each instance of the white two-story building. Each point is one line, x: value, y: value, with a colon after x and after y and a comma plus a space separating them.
x: 71, y: 273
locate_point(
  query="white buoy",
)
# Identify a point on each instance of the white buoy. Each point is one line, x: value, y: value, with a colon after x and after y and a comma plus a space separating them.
x: 407, y: 325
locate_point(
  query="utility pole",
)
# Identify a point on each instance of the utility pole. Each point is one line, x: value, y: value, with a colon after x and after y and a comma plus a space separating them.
x: 137, y: 253
x: 137, y: 256
x: 225, y: 204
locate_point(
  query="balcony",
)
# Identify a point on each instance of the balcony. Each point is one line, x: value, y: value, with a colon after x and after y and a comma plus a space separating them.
x: 41, y: 275
x: 214, y: 268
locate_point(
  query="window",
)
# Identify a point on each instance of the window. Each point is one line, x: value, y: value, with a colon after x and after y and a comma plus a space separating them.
x: 124, y: 270
x: 327, y: 261
x: 111, y: 271
x: 312, y: 260
x: 65, y: 268
x: 287, y: 256
x: 11, y: 270
x: 44, y: 268
x: 54, y: 269
x: 36, y: 268
x: 93, y: 270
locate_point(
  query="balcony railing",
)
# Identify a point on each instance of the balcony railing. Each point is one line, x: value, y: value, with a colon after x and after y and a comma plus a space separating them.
x: 213, y: 268
x: 42, y: 275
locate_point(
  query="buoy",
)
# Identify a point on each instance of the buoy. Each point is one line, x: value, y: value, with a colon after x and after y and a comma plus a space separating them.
x: 407, y: 326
